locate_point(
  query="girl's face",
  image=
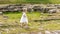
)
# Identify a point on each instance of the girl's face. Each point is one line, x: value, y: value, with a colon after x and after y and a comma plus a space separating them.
x: 24, y: 16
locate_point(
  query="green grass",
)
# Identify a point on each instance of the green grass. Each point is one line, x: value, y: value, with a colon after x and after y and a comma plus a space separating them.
x: 29, y: 1
x: 34, y: 26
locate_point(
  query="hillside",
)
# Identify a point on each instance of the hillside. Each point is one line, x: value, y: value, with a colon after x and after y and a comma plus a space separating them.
x: 29, y: 1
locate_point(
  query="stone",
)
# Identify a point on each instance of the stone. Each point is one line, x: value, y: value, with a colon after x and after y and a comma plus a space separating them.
x: 58, y: 31
x: 39, y: 33
x: 12, y: 29
x: 26, y: 27
x: 54, y: 32
x: 47, y: 32
x: 37, y: 8
x: 58, y: 6
x: 1, y: 13
x: 5, y: 17
x: 1, y: 24
x: 24, y: 33
x: 29, y: 9
x: 41, y: 28
x: 52, y: 11
x: 45, y: 10
x: 50, y: 5
x: 7, y: 30
x: 33, y: 32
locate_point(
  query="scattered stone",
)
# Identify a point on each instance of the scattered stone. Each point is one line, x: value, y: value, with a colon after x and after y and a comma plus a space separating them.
x: 36, y: 8
x: 41, y: 27
x: 26, y: 27
x: 30, y: 7
x: 47, y: 32
x: 5, y: 17
x: 58, y: 31
x: 52, y: 11
x: 1, y: 13
x: 50, y: 5
x: 54, y: 33
x: 1, y: 24
x: 33, y: 32
x: 12, y: 28
x: 24, y: 33
x: 7, y: 30
x: 39, y: 33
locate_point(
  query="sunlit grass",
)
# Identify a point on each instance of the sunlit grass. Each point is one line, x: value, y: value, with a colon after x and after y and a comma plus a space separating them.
x: 33, y: 26
x: 29, y: 1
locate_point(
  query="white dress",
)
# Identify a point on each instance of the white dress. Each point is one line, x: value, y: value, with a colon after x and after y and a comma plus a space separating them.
x: 24, y: 18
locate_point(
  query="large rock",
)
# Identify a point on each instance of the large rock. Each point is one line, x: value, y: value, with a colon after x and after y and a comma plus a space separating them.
x: 58, y: 31
x: 47, y: 9
x: 30, y: 7
x: 37, y: 8
x: 52, y: 11
x: 57, y: 5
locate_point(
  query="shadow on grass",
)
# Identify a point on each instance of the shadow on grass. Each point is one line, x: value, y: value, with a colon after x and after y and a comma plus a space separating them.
x: 9, y: 26
x: 15, y: 12
x: 45, y: 20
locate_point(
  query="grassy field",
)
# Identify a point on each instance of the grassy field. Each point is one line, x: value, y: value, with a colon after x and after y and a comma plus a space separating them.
x: 12, y: 24
x: 29, y: 1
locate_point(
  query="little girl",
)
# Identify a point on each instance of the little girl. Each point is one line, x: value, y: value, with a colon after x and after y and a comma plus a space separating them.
x: 24, y: 20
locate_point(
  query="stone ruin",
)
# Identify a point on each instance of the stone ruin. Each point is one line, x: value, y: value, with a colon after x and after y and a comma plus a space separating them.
x: 48, y: 8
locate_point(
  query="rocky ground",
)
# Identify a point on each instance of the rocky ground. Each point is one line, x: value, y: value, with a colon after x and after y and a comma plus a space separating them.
x: 44, y: 8
x: 38, y: 23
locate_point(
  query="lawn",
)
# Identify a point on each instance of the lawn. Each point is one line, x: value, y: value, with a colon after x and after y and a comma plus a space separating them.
x: 29, y: 1
x: 13, y: 25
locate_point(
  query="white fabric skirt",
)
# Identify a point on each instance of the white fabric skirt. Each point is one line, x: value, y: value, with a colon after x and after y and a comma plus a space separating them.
x: 24, y: 18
